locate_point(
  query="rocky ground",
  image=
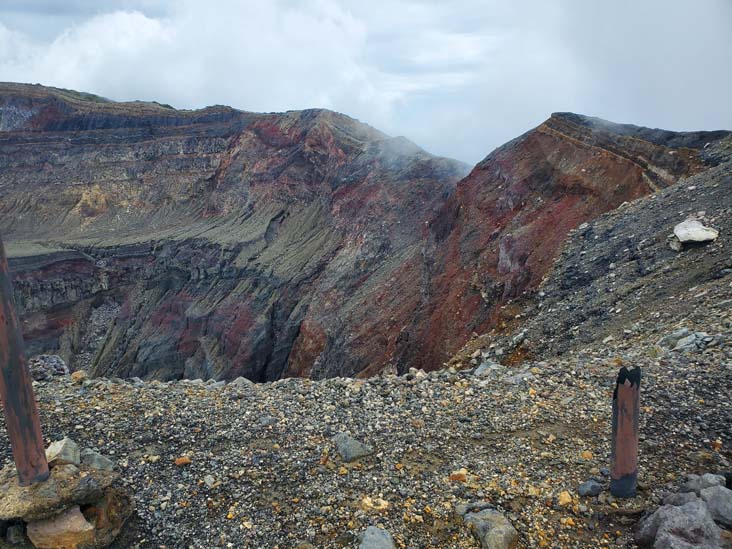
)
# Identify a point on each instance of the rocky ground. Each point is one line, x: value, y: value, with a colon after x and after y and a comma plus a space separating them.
x: 258, y: 466
x: 622, y: 276
x: 507, y: 432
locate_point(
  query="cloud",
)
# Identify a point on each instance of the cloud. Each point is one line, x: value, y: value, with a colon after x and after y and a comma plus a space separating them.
x: 458, y: 78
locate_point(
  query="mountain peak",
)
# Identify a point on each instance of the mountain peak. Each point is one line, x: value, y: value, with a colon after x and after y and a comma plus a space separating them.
x: 666, y: 138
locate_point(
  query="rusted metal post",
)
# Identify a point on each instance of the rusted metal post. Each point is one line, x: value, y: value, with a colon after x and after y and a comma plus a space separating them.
x: 624, y: 458
x: 16, y: 389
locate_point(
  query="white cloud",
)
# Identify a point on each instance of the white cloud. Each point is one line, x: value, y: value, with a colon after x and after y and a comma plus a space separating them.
x: 457, y: 77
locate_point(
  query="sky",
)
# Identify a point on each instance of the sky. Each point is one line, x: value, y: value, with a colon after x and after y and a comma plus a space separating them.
x: 458, y: 78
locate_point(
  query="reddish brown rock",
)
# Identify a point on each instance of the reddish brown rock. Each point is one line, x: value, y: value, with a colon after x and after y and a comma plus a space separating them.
x: 108, y: 516
x: 498, y: 234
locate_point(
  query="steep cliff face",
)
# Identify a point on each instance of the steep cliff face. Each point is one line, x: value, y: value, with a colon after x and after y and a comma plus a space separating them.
x: 618, y: 283
x: 499, y: 233
x: 216, y: 243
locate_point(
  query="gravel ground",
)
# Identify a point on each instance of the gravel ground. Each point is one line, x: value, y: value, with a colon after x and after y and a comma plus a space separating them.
x: 264, y: 471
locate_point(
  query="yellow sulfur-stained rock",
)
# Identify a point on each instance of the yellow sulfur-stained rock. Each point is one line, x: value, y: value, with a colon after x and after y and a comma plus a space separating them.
x: 461, y: 475
x: 79, y: 376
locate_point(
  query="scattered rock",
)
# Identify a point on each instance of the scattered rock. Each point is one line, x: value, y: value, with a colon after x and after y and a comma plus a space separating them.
x: 79, y: 376
x: 376, y: 538
x: 241, y: 383
x: 692, y: 230
x: 63, y: 452
x: 96, y: 460
x: 351, y: 449
x: 589, y: 488
x: 492, y: 529
x: 564, y: 498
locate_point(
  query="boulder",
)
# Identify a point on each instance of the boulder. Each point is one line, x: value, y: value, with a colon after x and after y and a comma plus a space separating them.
x: 351, y: 449
x: 241, y: 383
x: 376, y: 538
x: 67, y: 530
x: 692, y: 230
x: 719, y: 503
x: 693, y: 342
x: 688, y: 525
x: 519, y: 378
x: 492, y: 529
x: 79, y: 376
x: 728, y: 478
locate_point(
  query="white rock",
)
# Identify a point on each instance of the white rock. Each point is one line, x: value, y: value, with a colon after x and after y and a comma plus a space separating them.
x: 692, y: 230
x: 62, y: 452
x: 376, y: 538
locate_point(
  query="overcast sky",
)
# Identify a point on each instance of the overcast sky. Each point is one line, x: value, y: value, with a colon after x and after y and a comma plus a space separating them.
x: 458, y: 78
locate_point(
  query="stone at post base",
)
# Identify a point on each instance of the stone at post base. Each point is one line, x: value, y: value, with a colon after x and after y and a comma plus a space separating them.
x: 625, y: 486
x: 104, y: 519
x: 60, y: 511
x: 63, y: 452
x: 67, y: 485
x: 67, y: 530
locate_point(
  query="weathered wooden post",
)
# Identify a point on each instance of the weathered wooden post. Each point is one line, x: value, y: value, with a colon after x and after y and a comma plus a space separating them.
x: 16, y: 389
x: 624, y: 457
